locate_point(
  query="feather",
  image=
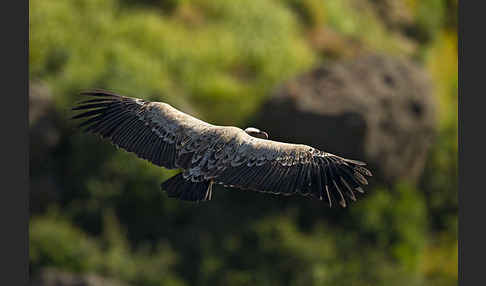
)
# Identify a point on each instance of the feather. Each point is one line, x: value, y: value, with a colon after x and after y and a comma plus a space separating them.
x: 360, y: 178
x: 351, y: 194
x: 318, y: 183
x: 363, y: 171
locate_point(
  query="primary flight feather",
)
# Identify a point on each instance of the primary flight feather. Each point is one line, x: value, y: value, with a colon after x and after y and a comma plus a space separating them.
x: 210, y: 154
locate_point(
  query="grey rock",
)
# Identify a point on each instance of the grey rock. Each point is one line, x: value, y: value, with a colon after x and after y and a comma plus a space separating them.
x: 374, y: 108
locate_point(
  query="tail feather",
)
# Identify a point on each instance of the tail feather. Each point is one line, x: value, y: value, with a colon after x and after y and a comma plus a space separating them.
x: 178, y: 187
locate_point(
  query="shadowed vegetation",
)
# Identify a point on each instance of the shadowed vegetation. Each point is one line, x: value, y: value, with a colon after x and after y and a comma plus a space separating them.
x: 96, y: 209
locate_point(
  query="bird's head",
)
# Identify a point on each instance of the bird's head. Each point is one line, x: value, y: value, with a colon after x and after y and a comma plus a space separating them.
x: 254, y: 132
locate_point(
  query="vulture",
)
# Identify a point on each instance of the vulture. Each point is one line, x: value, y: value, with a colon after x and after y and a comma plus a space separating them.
x: 210, y: 154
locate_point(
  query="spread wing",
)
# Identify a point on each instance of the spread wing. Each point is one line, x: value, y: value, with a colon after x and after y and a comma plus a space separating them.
x: 274, y: 167
x: 152, y: 130
x: 226, y: 155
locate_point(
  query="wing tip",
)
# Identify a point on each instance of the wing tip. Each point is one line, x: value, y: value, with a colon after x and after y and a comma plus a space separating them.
x: 346, y: 178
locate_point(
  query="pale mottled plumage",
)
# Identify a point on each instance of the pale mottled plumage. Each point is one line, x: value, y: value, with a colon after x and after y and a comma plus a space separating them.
x: 224, y: 155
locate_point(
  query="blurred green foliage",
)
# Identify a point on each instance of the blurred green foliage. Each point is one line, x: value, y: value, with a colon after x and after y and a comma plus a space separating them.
x: 95, y: 43
x: 219, y: 60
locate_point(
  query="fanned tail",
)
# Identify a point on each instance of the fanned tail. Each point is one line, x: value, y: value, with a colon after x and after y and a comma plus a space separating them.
x: 178, y: 187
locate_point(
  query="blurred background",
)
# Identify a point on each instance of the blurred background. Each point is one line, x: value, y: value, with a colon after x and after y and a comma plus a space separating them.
x: 373, y: 80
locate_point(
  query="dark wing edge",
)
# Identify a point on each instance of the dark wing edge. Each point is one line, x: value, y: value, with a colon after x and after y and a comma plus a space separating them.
x: 344, y: 177
x: 312, y: 173
x: 122, y: 121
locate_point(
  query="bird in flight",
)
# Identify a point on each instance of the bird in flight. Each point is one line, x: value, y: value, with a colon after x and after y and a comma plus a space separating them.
x: 210, y: 154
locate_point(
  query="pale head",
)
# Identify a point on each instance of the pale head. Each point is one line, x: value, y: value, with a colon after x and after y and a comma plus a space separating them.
x: 255, y: 132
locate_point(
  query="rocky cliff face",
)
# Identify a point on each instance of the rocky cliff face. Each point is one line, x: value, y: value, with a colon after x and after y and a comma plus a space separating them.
x: 373, y: 108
